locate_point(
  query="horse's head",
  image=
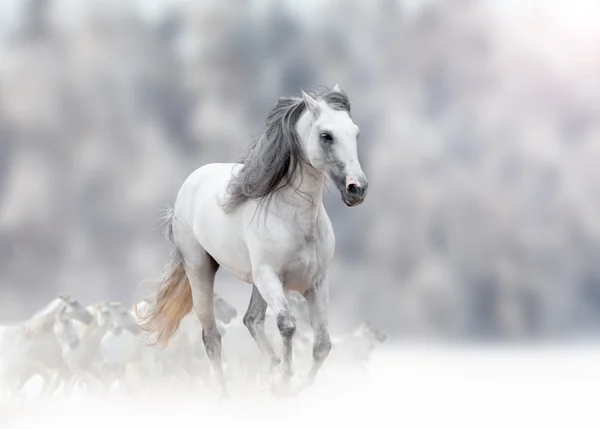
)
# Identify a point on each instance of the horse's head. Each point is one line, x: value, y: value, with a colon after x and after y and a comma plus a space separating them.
x: 75, y: 311
x: 331, y: 140
x: 64, y: 329
x: 116, y: 317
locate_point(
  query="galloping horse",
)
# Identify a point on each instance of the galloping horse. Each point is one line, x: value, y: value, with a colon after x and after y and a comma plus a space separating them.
x: 216, y: 221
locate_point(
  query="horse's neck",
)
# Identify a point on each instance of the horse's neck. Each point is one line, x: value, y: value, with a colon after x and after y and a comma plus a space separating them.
x: 304, y: 197
x: 95, y: 331
x: 89, y: 329
x: 43, y: 321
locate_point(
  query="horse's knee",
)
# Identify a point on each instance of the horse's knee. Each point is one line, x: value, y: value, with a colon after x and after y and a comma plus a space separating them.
x: 212, y: 340
x: 286, y: 322
x: 322, y: 346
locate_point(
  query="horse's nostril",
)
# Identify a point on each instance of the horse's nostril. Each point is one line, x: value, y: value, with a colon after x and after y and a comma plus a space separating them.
x: 353, y: 189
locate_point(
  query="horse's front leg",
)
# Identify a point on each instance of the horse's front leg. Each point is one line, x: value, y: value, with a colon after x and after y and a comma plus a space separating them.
x: 51, y: 386
x: 254, y: 319
x: 317, y: 300
x: 270, y: 287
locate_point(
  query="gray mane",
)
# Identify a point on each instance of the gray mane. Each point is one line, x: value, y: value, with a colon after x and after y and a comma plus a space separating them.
x: 277, y: 156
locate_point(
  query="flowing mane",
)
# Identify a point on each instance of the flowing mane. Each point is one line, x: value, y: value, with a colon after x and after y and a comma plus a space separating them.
x: 277, y: 156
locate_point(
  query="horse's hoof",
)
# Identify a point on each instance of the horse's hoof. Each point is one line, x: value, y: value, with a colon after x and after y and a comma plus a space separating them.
x: 275, y: 363
x: 309, y: 382
x: 286, y: 385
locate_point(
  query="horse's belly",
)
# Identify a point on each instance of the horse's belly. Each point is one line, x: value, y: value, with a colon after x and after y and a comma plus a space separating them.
x: 233, y: 258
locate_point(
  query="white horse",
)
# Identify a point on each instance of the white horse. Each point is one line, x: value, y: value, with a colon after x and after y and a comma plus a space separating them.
x: 84, y: 360
x: 263, y: 219
x: 37, y: 345
x: 107, y: 344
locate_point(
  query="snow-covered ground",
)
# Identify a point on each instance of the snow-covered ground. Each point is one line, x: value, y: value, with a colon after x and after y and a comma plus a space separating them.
x: 541, y: 386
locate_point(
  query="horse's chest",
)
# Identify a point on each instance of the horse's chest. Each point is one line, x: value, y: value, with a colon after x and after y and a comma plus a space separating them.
x: 297, y: 249
x: 306, y: 263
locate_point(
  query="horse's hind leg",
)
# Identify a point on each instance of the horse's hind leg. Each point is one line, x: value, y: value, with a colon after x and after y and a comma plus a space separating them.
x: 202, y: 291
x: 254, y: 319
x: 201, y: 269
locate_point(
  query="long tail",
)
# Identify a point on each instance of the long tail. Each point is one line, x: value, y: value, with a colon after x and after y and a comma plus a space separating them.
x: 173, y: 299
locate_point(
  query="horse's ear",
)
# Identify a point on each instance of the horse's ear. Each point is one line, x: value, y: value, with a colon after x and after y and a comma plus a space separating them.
x: 336, y: 88
x: 313, y: 105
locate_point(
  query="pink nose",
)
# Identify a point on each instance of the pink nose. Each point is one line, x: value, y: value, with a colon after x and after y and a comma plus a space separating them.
x: 353, y: 186
x: 351, y: 180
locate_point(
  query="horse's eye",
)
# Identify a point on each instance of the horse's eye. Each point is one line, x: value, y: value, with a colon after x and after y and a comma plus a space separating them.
x: 327, y: 137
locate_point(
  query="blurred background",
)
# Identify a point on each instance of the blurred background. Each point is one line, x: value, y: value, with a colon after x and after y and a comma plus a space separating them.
x: 481, y: 143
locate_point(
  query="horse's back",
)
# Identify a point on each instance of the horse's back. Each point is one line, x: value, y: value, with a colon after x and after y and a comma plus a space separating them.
x: 203, y: 188
x: 199, y: 217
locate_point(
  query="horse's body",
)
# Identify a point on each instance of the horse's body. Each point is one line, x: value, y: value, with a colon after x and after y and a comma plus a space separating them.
x: 302, y: 251
x: 263, y: 219
x: 36, y: 346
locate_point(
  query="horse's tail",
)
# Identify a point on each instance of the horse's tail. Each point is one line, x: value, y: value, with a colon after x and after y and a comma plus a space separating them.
x: 173, y: 299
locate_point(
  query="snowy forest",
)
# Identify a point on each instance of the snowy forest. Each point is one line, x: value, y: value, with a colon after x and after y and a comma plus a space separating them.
x: 480, y: 139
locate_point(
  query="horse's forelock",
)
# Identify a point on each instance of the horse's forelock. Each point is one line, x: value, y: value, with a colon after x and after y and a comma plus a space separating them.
x: 335, y: 99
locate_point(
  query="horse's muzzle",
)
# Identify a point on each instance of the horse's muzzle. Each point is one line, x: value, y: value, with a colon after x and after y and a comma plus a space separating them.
x: 355, y: 192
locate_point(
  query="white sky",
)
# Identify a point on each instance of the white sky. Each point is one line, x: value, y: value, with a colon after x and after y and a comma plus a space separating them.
x: 559, y: 30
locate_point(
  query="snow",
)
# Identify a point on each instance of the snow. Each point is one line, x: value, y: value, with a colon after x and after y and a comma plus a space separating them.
x: 411, y: 386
